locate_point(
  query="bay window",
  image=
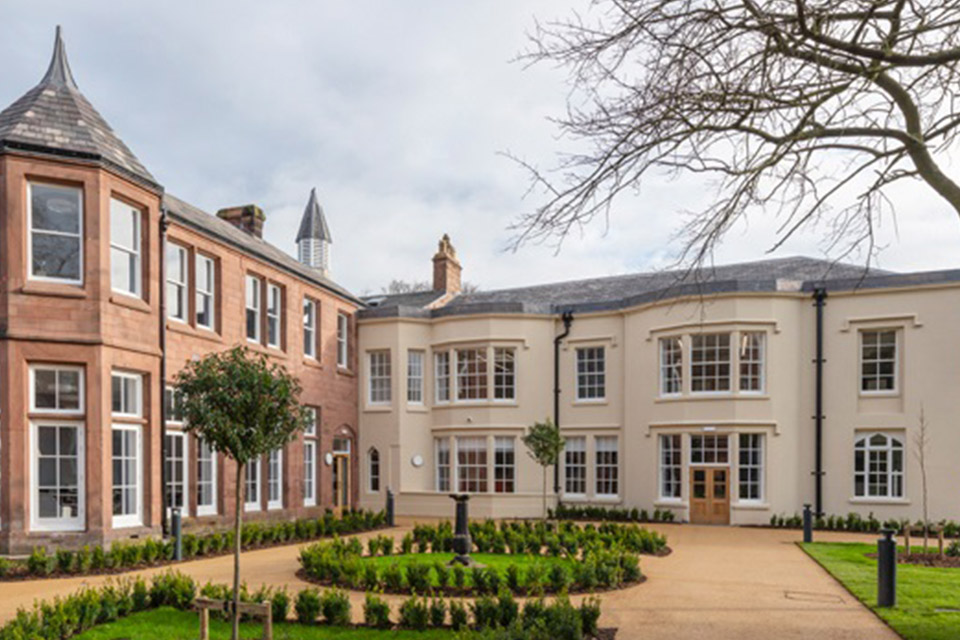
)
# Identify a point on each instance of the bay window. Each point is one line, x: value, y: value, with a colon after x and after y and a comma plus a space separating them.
x: 471, y: 374
x: 126, y: 475
x: 55, y: 220
x: 752, y: 346
x: 379, y: 377
x: 125, y: 249
x: 56, y: 389
x: 57, y: 476
x: 710, y: 363
x: 441, y: 369
x: 472, y: 464
x: 504, y: 373
x: 671, y: 366
x: 415, y: 377
x: 504, y: 470
x: 441, y: 447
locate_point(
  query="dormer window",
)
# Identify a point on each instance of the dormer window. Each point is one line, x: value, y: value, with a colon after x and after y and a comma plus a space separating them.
x: 55, y: 219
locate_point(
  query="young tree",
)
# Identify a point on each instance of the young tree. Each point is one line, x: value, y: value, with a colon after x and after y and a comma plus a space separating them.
x: 921, y: 442
x: 809, y: 110
x: 544, y: 444
x: 243, y: 406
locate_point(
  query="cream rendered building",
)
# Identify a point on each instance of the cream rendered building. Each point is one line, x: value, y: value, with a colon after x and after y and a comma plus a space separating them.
x: 699, y: 397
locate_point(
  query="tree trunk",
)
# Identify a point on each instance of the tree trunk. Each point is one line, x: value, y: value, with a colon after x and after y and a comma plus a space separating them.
x: 238, y: 509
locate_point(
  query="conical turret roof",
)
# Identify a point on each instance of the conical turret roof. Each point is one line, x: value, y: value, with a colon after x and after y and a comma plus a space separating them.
x: 313, y: 225
x: 54, y: 117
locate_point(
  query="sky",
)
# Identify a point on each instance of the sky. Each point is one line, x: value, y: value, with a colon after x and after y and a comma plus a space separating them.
x: 399, y: 113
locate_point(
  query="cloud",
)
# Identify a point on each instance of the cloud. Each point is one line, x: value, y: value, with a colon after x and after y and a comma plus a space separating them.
x: 395, y: 111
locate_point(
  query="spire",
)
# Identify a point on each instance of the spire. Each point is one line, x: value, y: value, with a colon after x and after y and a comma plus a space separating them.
x: 313, y: 225
x: 58, y: 74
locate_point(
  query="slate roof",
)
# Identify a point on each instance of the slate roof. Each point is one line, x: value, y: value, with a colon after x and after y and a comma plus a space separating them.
x: 617, y: 292
x: 54, y: 117
x: 224, y: 231
x: 413, y: 299
x: 313, y: 225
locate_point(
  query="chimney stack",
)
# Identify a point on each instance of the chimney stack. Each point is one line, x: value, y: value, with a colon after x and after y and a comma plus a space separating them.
x: 247, y: 217
x: 446, y: 268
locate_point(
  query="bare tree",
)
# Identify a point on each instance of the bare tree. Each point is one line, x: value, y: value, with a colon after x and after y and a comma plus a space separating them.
x: 808, y: 110
x: 403, y: 286
x: 921, y: 442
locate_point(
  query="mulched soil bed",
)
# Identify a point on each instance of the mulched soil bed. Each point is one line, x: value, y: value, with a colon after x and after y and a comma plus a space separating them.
x: 925, y: 560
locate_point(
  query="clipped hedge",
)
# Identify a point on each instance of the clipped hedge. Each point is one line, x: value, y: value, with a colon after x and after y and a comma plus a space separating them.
x: 126, y: 555
x: 605, y: 514
x: 856, y: 523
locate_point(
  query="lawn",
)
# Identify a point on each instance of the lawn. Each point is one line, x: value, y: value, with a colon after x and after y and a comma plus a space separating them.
x: 921, y: 591
x: 172, y: 624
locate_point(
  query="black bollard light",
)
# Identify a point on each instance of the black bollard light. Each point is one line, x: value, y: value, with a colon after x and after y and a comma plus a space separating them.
x: 390, y: 509
x: 461, y: 533
x: 807, y: 524
x: 887, y: 569
x: 176, y: 529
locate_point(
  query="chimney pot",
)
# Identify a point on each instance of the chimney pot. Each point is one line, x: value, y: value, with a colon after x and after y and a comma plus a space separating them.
x: 247, y: 217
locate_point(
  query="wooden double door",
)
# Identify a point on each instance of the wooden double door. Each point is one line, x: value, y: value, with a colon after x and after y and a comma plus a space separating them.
x: 710, y: 495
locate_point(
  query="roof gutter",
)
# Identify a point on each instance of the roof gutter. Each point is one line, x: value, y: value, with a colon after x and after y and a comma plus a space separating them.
x: 567, y: 318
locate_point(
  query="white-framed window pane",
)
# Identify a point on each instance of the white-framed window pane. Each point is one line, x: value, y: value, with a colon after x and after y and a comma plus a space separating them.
x: 253, y: 292
x: 471, y: 374
x: 504, y: 373
x: 441, y: 447
x: 275, y: 479
x: 206, y: 290
x: 251, y: 486
x: 379, y: 377
x: 752, y: 354
x: 125, y: 240
x: 126, y: 391
x: 575, y: 466
x: 309, y: 328
x: 58, y: 476
x: 274, y: 315
x: 56, y: 232
x: 751, y: 466
x: 173, y: 407
x: 343, y: 340
x: 709, y: 449
x: 175, y: 461
x: 878, y: 466
x: 878, y: 361
x: 309, y: 473
x: 206, y: 479
x: 57, y: 389
x: 441, y: 369
x: 591, y: 373
x: 504, y: 461
x: 607, y: 466
x: 373, y: 470
x: 176, y: 266
x: 671, y: 467
x: 126, y: 475
x: 312, y: 421
x: 415, y: 377
x: 671, y: 366
x: 472, y: 465
x: 710, y: 363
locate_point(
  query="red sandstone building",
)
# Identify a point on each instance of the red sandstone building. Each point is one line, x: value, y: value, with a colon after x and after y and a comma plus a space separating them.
x: 108, y: 285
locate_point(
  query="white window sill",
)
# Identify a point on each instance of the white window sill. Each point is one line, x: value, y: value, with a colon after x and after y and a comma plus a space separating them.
x: 274, y: 507
x: 125, y: 522
x: 251, y: 507
x: 670, y: 504
x: 573, y: 497
x: 606, y: 498
x: 882, y: 501
x: 378, y: 408
x: 208, y: 511
x: 57, y: 527
x: 309, y: 503
x: 747, y: 505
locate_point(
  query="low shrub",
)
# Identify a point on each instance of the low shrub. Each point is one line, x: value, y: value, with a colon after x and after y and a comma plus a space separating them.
x: 438, y: 612
x: 307, y: 606
x: 279, y: 605
x: 376, y: 612
x: 507, y: 609
x: 335, y: 607
x: 418, y: 577
x: 589, y: 615
x: 39, y: 563
x: 414, y: 614
x: 486, y: 614
x: 458, y: 615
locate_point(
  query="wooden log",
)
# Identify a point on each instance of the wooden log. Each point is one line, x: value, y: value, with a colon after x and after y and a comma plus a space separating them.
x: 268, y: 623
x: 204, y: 624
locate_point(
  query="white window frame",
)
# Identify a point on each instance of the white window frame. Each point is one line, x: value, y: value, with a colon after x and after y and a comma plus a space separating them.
x: 30, y: 232
x: 127, y: 412
x: 670, y: 444
x: 134, y: 519
x: 206, y: 509
x: 206, y: 264
x: 81, y: 389
x: 275, y: 466
x: 891, y: 474
x: 177, y: 433
x: 761, y: 364
x: 878, y: 361
x: 343, y: 340
x: 504, y: 374
x: 135, y: 252
x: 257, y: 503
x: 671, y: 371
x: 595, y: 366
x: 181, y: 286
x: 505, y: 445
x: 758, y: 464
x: 310, y: 328
x: 309, y: 471
x: 598, y: 465
x: 716, y: 362
x: 472, y: 375
x: 373, y: 470
x: 253, y: 284
x: 482, y: 484
x: 441, y: 447
x: 379, y: 377
x: 441, y: 377
x: 579, y: 463
x: 274, y: 315
x: 415, y: 370
x: 57, y: 524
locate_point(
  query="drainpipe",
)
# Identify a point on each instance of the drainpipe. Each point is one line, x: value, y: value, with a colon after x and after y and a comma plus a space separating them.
x: 819, y: 301
x: 163, y: 369
x: 567, y: 318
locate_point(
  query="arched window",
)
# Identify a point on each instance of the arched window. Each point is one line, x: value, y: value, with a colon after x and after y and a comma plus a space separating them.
x: 373, y: 466
x: 878, y: 466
